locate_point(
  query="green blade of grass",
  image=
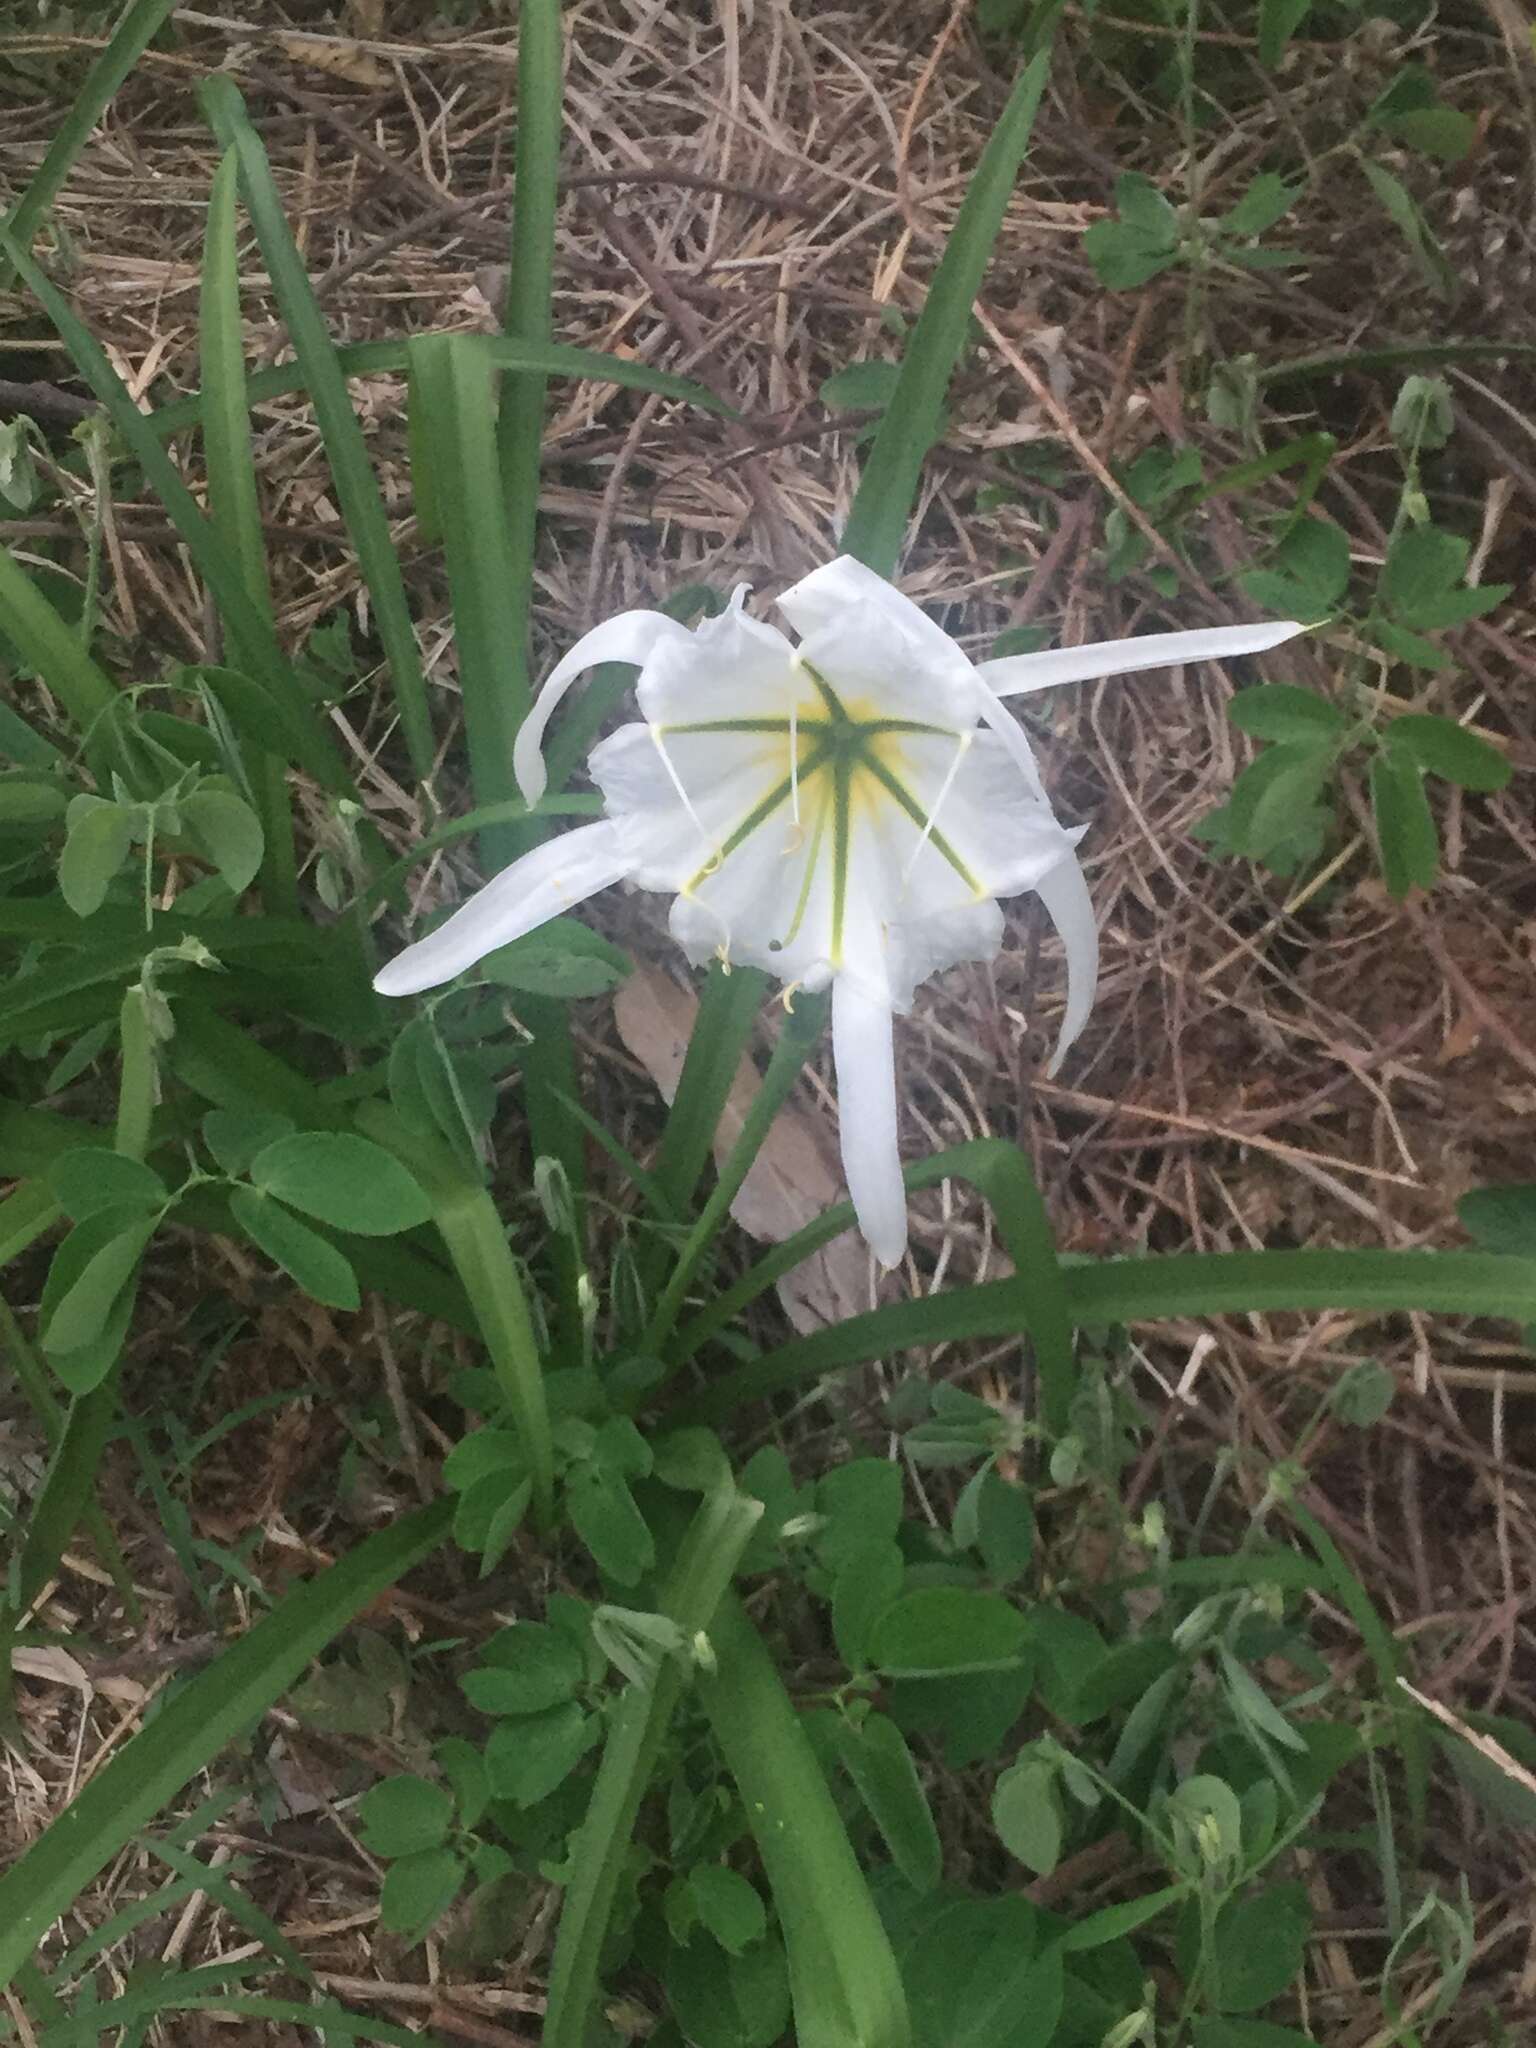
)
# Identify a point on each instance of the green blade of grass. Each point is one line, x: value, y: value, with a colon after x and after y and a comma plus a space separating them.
x: 706, y: 1563
x: 379, y: 358
x: 549, y: 1066
x: 255, y: 641
x: 193, y: 1727
x: 345, y: 449
x: 47, y: 645
x: 526, y: 318
x: 1111, y: 1291
x: 453, y: 390
x: 843, y: 1976
x: 234, y: 505
x: 910, y: 426
x: 127, y: 43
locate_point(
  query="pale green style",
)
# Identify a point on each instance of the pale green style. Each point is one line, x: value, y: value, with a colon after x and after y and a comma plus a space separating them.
x: 846, y: 811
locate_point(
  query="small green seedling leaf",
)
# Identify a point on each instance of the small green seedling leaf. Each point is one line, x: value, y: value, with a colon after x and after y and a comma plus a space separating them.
x: 1405, y: 827
x: 941, y: 1630
x: 1503, y: 1219
x: 526, y: 1759
x: 226, y: 832
x: 1364, y: 1394
x: 418, y: 1890
x: 1405, y: 216
x: 400, y: 1816
x: 1026, y: 1812
x: 1449, y: 750
x: 876, y: 1757
x: 303, y: 1254
x: 525, y: 1669
x: 94, y: 1265
x: 1141, y: 243
x: 1267, y: 201
x: 1278, y: 22
x: 235, y: 1136
x: 100, y: 835
x: 344, y: 1180
x: 89, y: 1178
x: 1283, y: 711
x: 728, y: 1906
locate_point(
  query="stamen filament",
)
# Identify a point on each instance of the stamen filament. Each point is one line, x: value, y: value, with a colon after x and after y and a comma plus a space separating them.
x: 962, y: 748
x: 677, y: 783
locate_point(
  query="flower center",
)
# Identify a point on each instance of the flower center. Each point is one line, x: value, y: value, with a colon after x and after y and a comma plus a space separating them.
x: 844, y: 760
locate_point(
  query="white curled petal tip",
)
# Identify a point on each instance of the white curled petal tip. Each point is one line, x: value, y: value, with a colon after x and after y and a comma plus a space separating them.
x: 863, y: 1054
x: 1017, y: 673
x: 1064, y: 892
x: 996, y: 715
x: 629, y: 636
x: 552, y: 878
x: 832, y: 597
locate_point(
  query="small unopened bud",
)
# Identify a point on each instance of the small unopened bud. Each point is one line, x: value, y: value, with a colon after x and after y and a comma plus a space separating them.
x: 704, y: 1654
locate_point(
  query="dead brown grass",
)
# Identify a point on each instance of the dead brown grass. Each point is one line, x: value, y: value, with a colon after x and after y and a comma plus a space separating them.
x: 753, y: 192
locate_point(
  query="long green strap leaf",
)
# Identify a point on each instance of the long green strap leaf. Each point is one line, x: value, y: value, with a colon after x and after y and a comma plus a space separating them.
x: 380, y: 358
x: 129, y: 41
x: 453, y: 438
x: 843, y: 1975
x: 910, y: 426
x: 195, y: 1725
x: 1148, y: 1290
x: 339, y: 429
x: 252, y: 633
x: 234, y: 504
x: 706, y: 1562
x: 46, y: 644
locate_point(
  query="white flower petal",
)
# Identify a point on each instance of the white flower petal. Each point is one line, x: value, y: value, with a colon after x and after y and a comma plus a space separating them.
x: 769, y: 903
x: 1010, y: 732
x: 864, y: 1057
x: 552, y: 878
x: 1064, y: 892
x: 630, y: 636
x: 870, y: 642
x: 732, y: 666
x: 928, y: 945
x: 670, y: 828
x: 1006, y: 836
x: 1016, y: 673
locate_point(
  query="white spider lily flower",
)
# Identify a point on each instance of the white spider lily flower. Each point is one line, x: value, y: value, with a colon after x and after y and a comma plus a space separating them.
x: 845, y: 811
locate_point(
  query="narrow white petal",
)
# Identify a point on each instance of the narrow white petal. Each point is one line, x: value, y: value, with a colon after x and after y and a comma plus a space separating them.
x: 868, y: 640
x: 730, y: 666
x: 630, y: 636
x: 1017, y: 673
x: 824, y: 597
x: 864, y: 1057
x: 552, y: 878
x: 1068, y: 905
x: 1010, y: 732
